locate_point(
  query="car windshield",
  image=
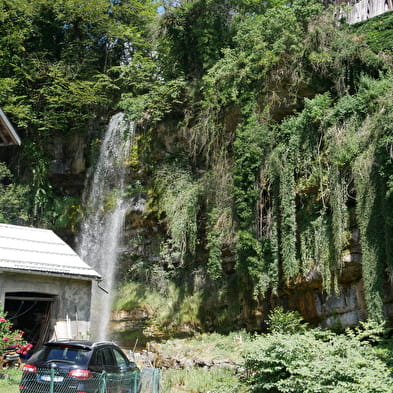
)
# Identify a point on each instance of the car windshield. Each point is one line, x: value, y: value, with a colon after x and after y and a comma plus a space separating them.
x: 64, y: 353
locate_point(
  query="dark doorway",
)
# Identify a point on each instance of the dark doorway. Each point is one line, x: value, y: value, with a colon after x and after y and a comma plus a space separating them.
x: 31, y: 313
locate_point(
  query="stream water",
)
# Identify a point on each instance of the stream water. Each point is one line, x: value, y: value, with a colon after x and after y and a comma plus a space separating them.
x: 102, y: 228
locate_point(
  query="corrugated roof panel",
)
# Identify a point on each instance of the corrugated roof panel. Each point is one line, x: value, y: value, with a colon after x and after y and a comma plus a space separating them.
x: 28, y: 233
x: 39, y: 250
x: 46, y: 247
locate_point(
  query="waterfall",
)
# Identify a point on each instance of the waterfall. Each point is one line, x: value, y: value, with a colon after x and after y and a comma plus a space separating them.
x: 101, y: 230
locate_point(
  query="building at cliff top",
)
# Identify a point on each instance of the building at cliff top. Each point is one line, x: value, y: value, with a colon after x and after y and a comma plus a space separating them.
x: 8, y: 135
x: 45, y: 288
x: 359, y: 11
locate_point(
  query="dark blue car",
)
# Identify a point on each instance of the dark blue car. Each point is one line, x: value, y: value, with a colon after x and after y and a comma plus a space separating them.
x: 79, y: 367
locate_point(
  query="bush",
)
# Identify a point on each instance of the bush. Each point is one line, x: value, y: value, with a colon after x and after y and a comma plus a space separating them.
x: 316, y: 362
x: 12, y: 339
x: 288, y: 322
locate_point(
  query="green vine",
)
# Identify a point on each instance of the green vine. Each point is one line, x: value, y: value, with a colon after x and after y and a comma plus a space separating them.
x: 370, y: 232
x: 178, y: 203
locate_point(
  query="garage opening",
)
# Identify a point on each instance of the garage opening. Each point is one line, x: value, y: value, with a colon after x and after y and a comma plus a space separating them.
x: 31, y: 312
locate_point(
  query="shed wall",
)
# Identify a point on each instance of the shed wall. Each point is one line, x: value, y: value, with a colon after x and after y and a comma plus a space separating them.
x: 70, y: 317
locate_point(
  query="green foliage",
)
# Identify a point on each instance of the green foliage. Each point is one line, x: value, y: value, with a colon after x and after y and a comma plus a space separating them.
x: 282, y: 119
x: 10, y: 337
x: 160, y: 100
x: 371, y: 231
x: 288, y: 218
x: 179, y: 201
x: 279, y: 107
x: 13, y: 198
x: 169, y: 309
x: 248, y: 150
x: 290, y: 322
x: 210, y: 347
x: 218, y: 232
x: 378, y: 32
x: 11, y: 383
x: 194, y: 34
x: 218, y: 380
x: 310, y: 362
x: 60, y: 73
x: 63, y: 214
x: 279, y: 103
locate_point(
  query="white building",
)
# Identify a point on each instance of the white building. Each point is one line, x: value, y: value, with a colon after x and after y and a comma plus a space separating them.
x: 360, y: 10
x: 45, y: 288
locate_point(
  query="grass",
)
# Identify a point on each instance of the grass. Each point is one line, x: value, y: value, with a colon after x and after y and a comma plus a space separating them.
x: 209, y: 347
x: 166, y: 313
x: 212, y: 349
x: 11, y: 383
x: 218, y: 380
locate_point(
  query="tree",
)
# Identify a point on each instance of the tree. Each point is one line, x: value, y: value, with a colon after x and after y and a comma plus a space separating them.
x: 13, y: 198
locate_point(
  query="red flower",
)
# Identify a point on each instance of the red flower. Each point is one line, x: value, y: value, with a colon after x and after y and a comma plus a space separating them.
x: 3, y: 319
x: 5, y: 339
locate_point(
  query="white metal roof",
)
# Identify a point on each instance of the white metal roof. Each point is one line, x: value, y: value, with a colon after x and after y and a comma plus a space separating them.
x: 26, y: 249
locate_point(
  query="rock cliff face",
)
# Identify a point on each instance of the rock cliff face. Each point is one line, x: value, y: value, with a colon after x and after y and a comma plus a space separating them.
x: 68, y: 164
x: 144, y: 234
x: 338, y: 310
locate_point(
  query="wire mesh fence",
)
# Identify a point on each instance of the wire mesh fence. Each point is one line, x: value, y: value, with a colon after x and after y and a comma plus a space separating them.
x: 149, y: 380
x: 84, y: 381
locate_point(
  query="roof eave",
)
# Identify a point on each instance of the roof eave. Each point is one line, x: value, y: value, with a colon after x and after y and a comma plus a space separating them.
x: 86, y: 277
x: 7, y: 126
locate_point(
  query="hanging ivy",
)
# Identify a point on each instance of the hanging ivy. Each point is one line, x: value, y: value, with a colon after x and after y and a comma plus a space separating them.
x: 338, y: 200
x: 370, y: 232
x: 288, y: 218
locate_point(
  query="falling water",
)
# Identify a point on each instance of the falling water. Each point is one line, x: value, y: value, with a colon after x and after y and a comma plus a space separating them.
x: 106, y: 207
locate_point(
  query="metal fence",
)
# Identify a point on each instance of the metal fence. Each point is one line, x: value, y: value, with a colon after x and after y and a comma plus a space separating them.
x: 150, y: 380
x: 54, y: 381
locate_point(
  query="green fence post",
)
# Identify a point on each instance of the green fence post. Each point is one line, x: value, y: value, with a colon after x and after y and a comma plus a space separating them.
x: 135, y: 377
x: 52, y: 379
x: 156, y: 380
x: 102, y: 382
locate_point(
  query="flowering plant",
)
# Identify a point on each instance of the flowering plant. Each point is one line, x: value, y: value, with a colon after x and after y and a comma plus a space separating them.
x: 12, y: 339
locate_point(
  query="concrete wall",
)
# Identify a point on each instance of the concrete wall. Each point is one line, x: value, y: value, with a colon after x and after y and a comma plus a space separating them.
x: 70, y: 315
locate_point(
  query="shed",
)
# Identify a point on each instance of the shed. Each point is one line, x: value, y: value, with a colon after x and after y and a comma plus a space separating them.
x: 8, y: 135
x: 45, y: 287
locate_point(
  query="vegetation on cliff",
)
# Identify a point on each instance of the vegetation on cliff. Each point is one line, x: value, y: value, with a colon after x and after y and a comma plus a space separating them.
x: 263, y: 138
x: 281, y: 124
x: 59, y: 77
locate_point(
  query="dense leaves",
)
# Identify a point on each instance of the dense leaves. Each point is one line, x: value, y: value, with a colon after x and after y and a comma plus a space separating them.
x: 13, y: 198
x: 263, y: 129
x: 59, y: 75
x: 307, y: 363
x: 289, y: 102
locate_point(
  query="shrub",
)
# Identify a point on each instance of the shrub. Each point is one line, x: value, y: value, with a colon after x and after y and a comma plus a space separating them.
x: 217, y: 380
x: 288, y: 322
x: 316, y: 362
x: 12, y: 339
